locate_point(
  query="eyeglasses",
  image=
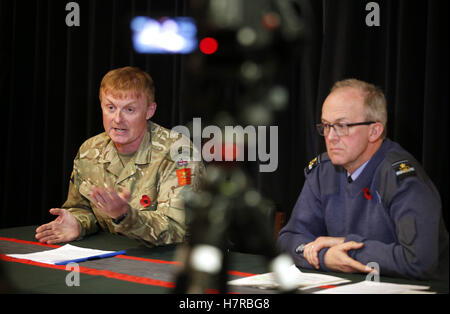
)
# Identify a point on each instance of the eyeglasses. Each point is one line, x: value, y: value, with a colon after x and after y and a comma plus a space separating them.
x: 341, y: 129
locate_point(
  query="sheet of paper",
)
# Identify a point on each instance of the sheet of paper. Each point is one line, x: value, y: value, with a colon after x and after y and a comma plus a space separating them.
x: 302, y: 280
x: 64, y: 253
x: 373, y: 287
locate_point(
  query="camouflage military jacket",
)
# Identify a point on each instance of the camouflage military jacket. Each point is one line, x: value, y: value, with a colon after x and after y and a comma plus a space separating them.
x: 156, y: 182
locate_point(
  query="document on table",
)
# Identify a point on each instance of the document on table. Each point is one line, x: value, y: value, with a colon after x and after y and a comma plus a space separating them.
x: 66, y: 254
x: 373, y: 287
x: 303, y: 280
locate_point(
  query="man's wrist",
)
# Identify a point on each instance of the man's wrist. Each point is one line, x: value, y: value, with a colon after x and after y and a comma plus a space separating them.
x: 299, y: 249
x: 119, y: 219
x: 322, y: 253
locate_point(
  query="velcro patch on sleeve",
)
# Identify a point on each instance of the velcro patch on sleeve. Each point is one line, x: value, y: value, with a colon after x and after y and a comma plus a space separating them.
x: 184, y: 176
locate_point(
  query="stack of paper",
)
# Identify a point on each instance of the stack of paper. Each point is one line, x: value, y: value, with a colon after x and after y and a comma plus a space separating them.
x: 373, y: 287
x: 302, y: 280
x: 66, y: 254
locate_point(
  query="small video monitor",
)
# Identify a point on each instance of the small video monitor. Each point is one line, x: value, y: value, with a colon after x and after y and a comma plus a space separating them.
x: 177, y: 35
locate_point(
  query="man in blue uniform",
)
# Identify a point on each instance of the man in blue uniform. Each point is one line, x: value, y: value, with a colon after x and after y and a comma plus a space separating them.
x: 366, y: 199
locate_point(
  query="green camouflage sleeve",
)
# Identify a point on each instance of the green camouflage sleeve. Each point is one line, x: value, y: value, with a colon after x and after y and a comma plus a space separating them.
x: 167, y: 222
x: 78, y: 205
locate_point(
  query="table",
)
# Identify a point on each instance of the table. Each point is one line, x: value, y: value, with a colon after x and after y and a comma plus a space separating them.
x: 142, y: 270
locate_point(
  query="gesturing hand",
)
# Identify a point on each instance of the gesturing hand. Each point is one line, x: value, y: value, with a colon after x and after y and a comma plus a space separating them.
x: 64, y: 228
x: 110, y: 202
x: 337, y: 258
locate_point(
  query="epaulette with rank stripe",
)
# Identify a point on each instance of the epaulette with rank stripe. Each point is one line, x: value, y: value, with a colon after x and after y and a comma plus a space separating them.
x: 403, y: 169
x: 312, y: 164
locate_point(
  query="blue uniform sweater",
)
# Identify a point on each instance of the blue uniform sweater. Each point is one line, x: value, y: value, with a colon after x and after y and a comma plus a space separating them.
x: 392, y: 207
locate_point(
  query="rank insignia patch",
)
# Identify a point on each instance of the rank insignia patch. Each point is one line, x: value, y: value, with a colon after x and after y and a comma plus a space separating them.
x: 312, y: 164
x: 184, y: 176
x: 403, y: 169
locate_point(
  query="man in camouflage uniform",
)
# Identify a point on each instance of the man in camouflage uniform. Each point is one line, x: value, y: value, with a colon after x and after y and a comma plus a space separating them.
x: 125, y: 180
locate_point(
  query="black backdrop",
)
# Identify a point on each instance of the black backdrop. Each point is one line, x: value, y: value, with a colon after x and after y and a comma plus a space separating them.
x: 50, y: 74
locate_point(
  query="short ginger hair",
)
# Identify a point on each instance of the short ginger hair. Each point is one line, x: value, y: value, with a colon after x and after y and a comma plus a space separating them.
x: 122, y: 81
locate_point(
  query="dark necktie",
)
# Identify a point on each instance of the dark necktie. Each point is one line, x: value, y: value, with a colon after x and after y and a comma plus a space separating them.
x: 349, y: 179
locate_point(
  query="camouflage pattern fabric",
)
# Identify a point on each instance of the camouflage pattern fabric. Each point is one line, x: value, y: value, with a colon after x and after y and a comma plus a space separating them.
x: 156, y: 213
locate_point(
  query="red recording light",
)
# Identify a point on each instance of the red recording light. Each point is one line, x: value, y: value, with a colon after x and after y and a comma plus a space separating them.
x: 208, y: 45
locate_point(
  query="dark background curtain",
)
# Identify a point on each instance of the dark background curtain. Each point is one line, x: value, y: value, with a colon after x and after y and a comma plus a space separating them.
x: 50, y: 75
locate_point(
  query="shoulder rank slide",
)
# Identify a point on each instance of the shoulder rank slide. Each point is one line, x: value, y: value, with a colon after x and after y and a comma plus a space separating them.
x: 312, y: 164
x: 403, y: 169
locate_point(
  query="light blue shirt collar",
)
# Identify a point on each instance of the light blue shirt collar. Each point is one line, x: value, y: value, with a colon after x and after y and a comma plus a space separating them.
x: 358, y: 171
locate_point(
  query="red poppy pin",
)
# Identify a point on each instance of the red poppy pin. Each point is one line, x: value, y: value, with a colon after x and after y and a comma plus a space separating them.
x: 145, y: 201
x: 367, y: 193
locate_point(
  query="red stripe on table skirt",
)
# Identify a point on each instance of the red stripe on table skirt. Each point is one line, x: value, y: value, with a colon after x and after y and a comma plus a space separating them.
x: 327, y: 287
x: 239, y: 273
x: 29, y: 242
x: 94, y: 272
x: 149, y: 260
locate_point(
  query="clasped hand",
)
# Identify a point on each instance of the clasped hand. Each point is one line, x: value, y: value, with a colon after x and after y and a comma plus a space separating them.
x: 336, y: 258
